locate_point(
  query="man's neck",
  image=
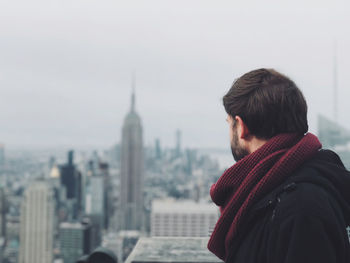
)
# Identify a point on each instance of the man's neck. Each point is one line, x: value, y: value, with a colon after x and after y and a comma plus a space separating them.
x: 255, y: 144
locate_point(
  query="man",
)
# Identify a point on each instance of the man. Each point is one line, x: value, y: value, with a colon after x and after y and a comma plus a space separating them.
x: 285, y: 200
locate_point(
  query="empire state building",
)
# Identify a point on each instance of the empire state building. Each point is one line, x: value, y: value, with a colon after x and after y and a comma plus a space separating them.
x: 132, y: 167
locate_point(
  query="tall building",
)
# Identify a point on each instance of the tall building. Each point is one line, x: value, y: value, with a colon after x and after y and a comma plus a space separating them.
x: 75, y: 240
x: 36, y: 227
x: 71, y: 179
x: 108, y: 189
x: 95, y: 207
x: 171, y: 218
x: 178, y: 143
x: 94, y: 198
x: 12, y: 239
x: 3, y: 210
x: 132, y: 166
x: 158, y: 150
x: 2, y: 157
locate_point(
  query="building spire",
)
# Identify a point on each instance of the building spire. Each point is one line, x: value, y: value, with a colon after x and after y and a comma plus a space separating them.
x: 335, y: 82
x: 133, y: 91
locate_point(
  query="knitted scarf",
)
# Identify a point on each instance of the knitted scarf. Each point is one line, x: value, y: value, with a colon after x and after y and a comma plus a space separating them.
x: 250, y: 179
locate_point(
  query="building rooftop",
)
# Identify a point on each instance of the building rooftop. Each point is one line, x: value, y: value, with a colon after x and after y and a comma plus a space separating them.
x: 172, y: 249
x: 183, y: 206
x: 129, y: 233
x: 72, y: 225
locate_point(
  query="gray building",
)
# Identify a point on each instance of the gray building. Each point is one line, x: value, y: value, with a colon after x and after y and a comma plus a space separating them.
x: 3, y: 210
x: 2, y: 157
x: 71, y: 179
x: 132, y: 166
x: 75, y: 240
x: 182, y: 218
x: 36, y: 227
x: 95, y: 198
x: 95, y: 208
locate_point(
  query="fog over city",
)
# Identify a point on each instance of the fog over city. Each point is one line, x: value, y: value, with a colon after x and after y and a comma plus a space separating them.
x: 66, y: 66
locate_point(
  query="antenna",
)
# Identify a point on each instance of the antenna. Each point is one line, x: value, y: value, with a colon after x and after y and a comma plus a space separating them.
x: 335, y: 82
x: 133, y: 84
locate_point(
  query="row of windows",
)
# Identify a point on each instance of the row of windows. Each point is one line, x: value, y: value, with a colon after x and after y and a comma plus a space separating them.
x: 182, y: 233
x: 166, y: 225
x: 181, y: 223
x: 191, y: 215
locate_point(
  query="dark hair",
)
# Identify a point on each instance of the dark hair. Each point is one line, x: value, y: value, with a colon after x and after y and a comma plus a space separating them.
x: 268, y: 102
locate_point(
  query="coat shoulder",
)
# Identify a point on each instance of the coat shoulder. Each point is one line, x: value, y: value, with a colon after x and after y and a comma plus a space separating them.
x: 307, y: 199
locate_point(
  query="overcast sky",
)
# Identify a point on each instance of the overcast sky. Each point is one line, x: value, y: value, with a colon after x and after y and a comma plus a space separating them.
x: 66, y: 66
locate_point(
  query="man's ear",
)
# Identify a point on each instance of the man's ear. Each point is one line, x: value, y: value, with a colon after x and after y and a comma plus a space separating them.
x: 243, y: 131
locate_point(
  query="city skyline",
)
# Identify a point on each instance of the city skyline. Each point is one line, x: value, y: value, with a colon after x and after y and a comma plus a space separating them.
x: 87, y: 173
x: 70, y: 83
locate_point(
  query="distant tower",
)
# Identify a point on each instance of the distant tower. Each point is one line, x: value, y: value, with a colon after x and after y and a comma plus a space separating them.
x: 2, y: 156
x: 132, y: 166
x: 37, y: 221
x: 158, y: 150
x: 335, y: 83
x: 178, y: 142
x: 71, y: 179
x: 3, y: 210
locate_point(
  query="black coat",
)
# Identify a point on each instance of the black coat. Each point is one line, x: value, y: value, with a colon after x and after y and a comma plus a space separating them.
x: 302, y: 220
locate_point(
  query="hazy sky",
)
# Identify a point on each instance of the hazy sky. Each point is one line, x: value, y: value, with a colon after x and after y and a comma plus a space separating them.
x: 65, y: 66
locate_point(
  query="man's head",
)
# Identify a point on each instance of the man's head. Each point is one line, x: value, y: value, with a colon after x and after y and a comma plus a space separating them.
x: 261, y: 104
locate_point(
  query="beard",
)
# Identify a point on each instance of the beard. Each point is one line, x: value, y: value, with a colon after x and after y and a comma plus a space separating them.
x: 238, y: 151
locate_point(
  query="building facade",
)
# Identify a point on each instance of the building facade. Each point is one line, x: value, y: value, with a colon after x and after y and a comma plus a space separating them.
x: 71, y: 179
x: 172, y: 218
x: 36, y: 227
x: 132, y: 166
x: 75, y: 240
x: 3, y: 210
x: 2, y: 157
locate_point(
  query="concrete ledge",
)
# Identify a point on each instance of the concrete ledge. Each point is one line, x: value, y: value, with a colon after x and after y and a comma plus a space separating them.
x: 172, y: 250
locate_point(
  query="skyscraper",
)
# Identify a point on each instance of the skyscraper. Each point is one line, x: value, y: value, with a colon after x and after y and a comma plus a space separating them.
x: 37, y: 221
x: 95, y: 207
x: 3, y: 210
x: 132, y: 165
x: 178, y: 143
x: 2, y: 157
x: 158, y: 150
x: 71, y: 179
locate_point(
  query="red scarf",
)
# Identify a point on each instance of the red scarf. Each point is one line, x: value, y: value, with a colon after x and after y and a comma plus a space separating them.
x: 251, y: 178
